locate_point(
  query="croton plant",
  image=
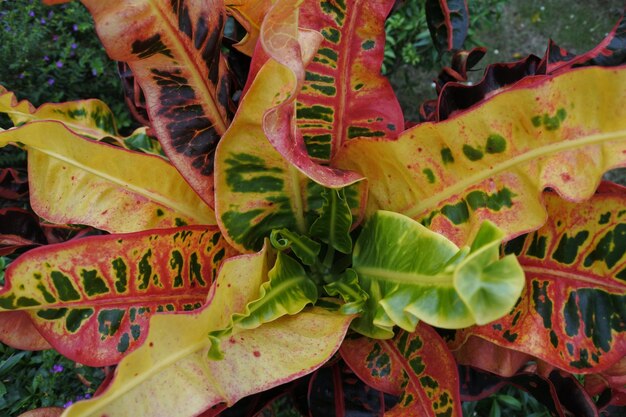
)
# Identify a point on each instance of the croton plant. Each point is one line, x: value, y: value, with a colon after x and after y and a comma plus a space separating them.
x: 290, y: 242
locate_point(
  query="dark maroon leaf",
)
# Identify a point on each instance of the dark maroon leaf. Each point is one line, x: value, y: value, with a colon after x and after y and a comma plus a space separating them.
x: 609, y: 53
x: 336, y: 391
x: 13, y: 184
x: 448, y: 22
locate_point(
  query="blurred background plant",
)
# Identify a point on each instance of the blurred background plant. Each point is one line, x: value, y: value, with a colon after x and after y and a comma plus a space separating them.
x: 52, y: 54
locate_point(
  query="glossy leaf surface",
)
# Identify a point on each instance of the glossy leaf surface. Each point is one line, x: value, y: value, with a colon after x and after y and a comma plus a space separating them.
x: 572, y: 311
x: 411, y: 274
x: 493, y: 161
x: 287, y: 291
x: 290, y: 50
x: 417, y: 366
x: 78, y: 181
x: 90, y: 118
x: 257, y: 190
x: 344, y: 95
x: 173, y: 49
x: 94, y: 305
x: 170, y: 374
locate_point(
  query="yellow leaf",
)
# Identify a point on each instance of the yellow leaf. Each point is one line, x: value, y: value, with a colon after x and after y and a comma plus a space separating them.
x: 79, y: 181
x: 493, y: 161
x: 171, y: 375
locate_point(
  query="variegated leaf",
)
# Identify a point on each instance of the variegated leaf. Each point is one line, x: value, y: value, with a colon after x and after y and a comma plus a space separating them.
x: 78, y: 181
x: 173, y: 49
x: 171, y: 374
x: 417, y: 366
x: 344, y: 95
x: 290, y: 50
x: 257, y: 189
x: 492, y: 162
x: 572, y: 313
x: 93, y: 305
x: 89, y: 118
x: 250, y: 14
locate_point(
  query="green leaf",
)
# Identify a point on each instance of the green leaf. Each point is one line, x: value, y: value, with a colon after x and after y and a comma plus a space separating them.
x: 287, y: 292
x: 304, y: 248
x: 333, y: 225
x: 412, y: 274
x: 347, y: 286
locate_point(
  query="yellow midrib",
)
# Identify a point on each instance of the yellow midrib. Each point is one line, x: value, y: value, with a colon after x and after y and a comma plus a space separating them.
x: 159, y: 198
x: 433, y: 201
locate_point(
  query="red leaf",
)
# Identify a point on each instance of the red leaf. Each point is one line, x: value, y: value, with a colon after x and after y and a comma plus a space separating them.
x: 416, y: 366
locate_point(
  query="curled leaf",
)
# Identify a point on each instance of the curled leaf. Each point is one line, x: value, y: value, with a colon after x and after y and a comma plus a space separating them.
x: 303, y: 247
x: 412, y: 274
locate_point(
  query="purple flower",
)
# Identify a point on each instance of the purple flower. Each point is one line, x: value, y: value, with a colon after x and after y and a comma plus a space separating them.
x: 21, y: 75
x: 42, y: 21
x: 50, y: 81
x: 75, y: 28
x: 57, y: 368
x: 94, y: 72
x: 73, y: 46
x: 50, y: 13
x: 67, y: 404
x: 31, y: 13
x: 87, y: 396
x: 46, y: 58
x: 59, y: 64
x: 55, y: 38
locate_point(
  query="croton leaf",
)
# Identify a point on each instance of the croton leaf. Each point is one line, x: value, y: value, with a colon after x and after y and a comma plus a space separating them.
x: 335, y: 221
x: 17, y: 330
x: 171, y: 374
x: 417, y: 366
x: 411, y: 274
x: 611, y: 51
x: 560, y: 393
x: 43, y: 412
x: 448, y: 22
x: 335, y: 391
x: 18, y: 229
x: 97, y: 184
x: 613, y: 378
x: 572, y: 311
x: 89, y: 118
x: 492, y: 162
x: 13, y: 184
x: 94, y: 306
x: 306, y: 249
x: 287, y: 291
x: 257, y: 189
x: 250, y: 14
x: 344, y: 94
x: 173, y: 49
x: 290, y: 49
x: 482, y: 354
